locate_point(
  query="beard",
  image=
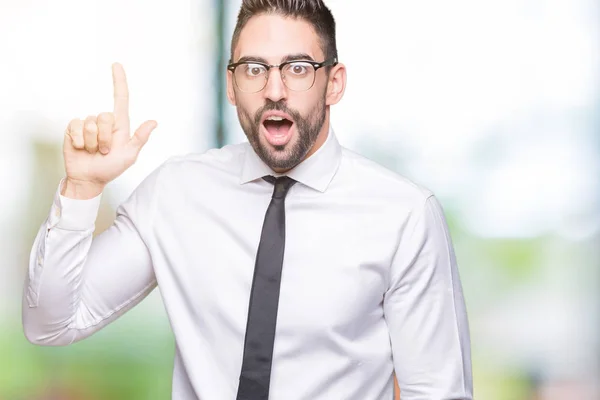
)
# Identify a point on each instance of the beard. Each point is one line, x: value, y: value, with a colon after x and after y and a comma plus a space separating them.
x: 292, y: 153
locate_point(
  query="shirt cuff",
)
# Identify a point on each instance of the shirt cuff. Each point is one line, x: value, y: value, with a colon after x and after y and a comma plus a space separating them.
x: 73, y: 215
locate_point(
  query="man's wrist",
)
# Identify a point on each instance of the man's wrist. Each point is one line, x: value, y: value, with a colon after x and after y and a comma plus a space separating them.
x: 80, y: 190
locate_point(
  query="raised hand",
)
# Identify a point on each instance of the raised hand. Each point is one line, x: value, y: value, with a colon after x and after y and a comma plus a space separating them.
x: 100, y: 148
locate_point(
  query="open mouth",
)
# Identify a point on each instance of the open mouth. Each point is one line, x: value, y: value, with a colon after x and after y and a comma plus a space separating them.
x: 278, y: 129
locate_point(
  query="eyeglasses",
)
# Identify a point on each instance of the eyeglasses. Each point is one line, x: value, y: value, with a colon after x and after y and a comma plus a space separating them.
x: 298, y: 75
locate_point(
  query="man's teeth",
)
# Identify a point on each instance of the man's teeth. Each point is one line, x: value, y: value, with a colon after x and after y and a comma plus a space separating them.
x: 275, y: 118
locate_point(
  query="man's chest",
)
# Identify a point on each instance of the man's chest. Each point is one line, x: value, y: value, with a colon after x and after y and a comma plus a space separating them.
x: 335, y: 269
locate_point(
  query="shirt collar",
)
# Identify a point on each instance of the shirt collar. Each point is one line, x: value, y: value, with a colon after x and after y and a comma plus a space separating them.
x: 316, y: 171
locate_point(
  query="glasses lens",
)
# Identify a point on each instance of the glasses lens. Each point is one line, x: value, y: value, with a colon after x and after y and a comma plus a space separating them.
x: 298, y: 76
x: 250, y: 77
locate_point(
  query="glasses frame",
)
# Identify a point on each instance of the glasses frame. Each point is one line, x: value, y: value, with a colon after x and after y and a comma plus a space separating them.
x: 316, y: 65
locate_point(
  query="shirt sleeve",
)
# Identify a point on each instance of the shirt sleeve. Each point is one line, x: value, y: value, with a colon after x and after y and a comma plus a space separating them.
x: 77, y: 284
x: 425, y: 311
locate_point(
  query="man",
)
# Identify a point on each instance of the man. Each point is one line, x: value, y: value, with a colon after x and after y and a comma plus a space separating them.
x: 290, y: 267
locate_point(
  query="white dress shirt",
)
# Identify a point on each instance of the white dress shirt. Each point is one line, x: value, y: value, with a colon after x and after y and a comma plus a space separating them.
x: 369, y: 283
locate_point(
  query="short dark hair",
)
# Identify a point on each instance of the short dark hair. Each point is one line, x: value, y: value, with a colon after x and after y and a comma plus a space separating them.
x: 314, y: 12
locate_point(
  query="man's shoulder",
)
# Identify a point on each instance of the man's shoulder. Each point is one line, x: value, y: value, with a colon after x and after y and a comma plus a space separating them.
x: 231, y: 154
x: 209, y: 165
x: 371, y: 174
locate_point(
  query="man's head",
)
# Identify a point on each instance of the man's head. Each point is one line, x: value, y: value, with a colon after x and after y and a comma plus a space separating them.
x: 284, y: 111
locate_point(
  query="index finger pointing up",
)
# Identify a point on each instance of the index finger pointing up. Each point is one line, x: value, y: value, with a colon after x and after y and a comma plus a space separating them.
x: 121, y: 94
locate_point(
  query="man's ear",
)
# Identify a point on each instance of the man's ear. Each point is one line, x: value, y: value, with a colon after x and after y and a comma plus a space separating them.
x: 336, y: 84
x: 230, y: 91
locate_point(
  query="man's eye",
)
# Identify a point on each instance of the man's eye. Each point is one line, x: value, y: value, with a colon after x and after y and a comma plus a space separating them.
x: 255, y: 70
x: 298, y: 68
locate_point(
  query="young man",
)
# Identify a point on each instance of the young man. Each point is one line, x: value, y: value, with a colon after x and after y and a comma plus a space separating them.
x: 290, y: 267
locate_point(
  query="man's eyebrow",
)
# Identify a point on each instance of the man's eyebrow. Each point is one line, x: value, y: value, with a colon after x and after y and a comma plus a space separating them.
x: 297, y: 56
x: 252, y: 58
x: 289, y: 57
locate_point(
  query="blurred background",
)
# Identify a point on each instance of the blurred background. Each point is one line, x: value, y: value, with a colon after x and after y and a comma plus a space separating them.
x: 494, y: 105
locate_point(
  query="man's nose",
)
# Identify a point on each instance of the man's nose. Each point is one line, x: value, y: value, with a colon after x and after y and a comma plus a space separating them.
x: 275, y: 89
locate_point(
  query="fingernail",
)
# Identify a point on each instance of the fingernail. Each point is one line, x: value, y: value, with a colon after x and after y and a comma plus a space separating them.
x: 104, y: 150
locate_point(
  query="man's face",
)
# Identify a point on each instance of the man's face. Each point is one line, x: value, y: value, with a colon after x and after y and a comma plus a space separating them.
x: 281, y: 144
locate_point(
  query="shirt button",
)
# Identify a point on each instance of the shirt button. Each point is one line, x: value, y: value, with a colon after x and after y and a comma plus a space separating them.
x: 39, y: 260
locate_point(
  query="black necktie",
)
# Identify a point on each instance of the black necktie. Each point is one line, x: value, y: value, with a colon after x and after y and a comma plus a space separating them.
x: 255, y: 376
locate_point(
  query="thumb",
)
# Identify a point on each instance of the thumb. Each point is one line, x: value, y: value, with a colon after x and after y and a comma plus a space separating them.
x: 141, y: 135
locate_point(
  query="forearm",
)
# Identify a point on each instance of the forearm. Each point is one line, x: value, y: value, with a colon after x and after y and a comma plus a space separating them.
x: 53, y: 286
x: 77, y: 284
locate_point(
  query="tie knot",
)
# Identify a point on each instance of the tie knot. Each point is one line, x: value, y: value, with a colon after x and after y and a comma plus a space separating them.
x: 282, y: 185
